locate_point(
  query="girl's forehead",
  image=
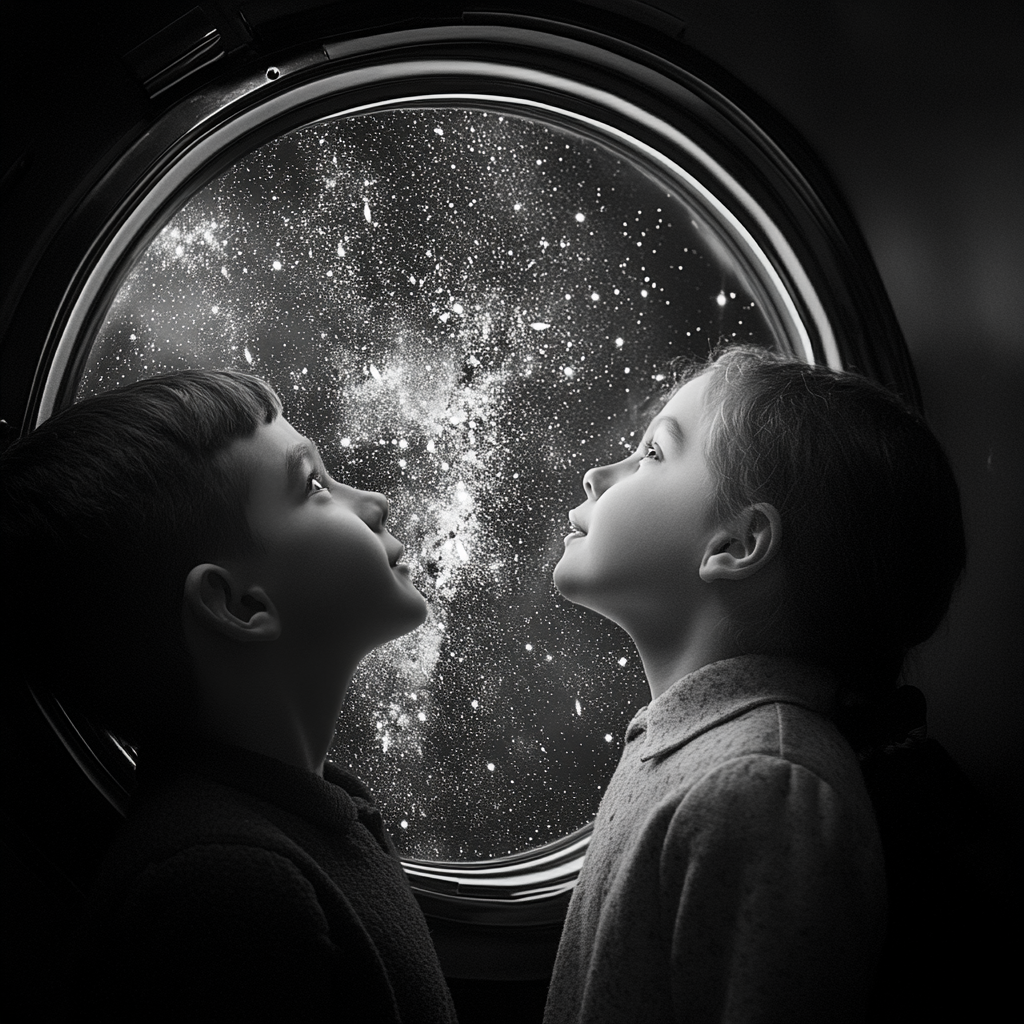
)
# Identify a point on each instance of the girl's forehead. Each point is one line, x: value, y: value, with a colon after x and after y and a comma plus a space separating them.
x: 686, y: 404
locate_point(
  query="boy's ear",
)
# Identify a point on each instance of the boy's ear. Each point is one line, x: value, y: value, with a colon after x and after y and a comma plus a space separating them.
x: 214, y: 599
x: 743, y: 546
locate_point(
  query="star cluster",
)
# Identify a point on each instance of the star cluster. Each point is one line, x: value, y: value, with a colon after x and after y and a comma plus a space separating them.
x: 466, y: 309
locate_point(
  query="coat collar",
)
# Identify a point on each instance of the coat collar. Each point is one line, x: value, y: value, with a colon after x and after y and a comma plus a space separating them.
x: 337, y: 797
x: 727, y: 689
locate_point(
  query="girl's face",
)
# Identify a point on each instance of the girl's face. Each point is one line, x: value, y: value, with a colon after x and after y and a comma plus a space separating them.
x: 640, y: 537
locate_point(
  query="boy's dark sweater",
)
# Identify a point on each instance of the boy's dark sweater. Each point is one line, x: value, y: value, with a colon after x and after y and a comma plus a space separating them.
x: 242, y: 887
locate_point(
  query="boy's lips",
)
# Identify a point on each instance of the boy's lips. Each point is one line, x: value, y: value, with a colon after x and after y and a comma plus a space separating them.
x: 394, y: 555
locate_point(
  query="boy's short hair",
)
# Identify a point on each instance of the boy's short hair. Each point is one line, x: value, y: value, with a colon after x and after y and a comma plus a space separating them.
x: 872, y: 532
x: 106, y: 507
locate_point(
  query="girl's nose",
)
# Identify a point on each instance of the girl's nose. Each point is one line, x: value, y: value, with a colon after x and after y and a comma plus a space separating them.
x: 597, y: 480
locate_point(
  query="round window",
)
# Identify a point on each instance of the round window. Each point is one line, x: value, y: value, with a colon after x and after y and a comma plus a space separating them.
x: 467, y: 277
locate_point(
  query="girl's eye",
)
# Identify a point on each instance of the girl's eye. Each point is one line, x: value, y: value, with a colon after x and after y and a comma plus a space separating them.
x: 313, y: 483
x: 649, y: 451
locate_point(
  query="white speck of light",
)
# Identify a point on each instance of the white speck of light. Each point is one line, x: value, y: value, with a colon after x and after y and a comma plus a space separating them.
x: 404, y: 823
x: 539, y: 325
x: 276, y: 264
x: 341, y: 249
x: 367, y: 216
x: 720, y: 298
x: 579, y: 707
x: 215, y: 310
x: 529, y: 647
x: 568, y: 371
x: 346, y: 442
x: 375, y: 373
x: 248, y: 355
x: 474, y: 703
x: 619, y: 342
x: 580, y: 217
x: 607, y: 737
x: 622, y: 661
x: 595, y: 297
x: 439, y: 131
x: 490, y: 766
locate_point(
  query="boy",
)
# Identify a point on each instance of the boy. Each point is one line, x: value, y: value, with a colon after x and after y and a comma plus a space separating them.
x: 780, y: 539
x: 210, y: 590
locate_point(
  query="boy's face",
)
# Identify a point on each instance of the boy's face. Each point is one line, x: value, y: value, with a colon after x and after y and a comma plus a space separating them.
x: 640, y: 536
x: 328, y: 565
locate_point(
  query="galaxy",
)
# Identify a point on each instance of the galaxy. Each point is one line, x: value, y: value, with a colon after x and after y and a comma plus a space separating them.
x: 465, y: 308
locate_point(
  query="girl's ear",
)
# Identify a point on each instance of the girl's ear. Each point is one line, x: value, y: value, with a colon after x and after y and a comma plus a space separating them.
x: 218, y: 604
x: 743, y: 546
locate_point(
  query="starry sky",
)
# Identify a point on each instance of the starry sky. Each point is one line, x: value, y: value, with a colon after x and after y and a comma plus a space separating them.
x: 465, y: 309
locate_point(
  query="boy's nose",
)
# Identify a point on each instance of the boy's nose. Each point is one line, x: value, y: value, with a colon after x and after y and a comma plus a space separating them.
x: 375, y: 509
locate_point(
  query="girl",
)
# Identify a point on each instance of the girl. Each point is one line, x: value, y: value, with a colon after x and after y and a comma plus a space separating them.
x: 780, y: 539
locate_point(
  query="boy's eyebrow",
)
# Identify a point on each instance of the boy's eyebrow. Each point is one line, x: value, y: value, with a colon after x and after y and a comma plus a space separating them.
x: 296, y: 459
x: 672, y: 425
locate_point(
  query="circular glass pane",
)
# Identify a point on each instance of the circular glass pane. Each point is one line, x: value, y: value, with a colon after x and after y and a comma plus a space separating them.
x: 465, y: 308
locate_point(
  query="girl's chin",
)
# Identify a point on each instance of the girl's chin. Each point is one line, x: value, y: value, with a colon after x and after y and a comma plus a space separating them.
x: 569, y: 587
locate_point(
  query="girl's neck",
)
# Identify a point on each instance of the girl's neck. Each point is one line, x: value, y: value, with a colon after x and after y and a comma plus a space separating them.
x: 667, y: 659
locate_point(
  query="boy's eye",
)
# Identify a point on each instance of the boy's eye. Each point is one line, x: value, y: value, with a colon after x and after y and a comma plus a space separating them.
x: 649, y: 451
x: 314, y: 483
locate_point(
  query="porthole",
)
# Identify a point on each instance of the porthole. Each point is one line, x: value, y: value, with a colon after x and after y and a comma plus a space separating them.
x: 466, y: 258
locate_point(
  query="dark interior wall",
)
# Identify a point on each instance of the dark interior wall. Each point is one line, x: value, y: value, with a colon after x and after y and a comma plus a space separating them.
x: 917, y: 111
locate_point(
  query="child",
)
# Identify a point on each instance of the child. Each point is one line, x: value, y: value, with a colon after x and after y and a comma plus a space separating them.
x: 207, y: 590
x: 782, y: 536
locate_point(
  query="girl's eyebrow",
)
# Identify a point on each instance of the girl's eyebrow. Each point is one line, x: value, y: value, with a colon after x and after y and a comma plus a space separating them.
x: 671, y: 424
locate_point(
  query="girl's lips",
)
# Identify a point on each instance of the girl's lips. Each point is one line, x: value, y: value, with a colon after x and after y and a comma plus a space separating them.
x: 575, y: 525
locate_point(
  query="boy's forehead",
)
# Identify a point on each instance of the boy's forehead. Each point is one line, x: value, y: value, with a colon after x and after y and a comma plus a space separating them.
x: 263, y: 457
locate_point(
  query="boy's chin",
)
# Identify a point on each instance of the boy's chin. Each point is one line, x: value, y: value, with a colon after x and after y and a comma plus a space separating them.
x: 414, y: 615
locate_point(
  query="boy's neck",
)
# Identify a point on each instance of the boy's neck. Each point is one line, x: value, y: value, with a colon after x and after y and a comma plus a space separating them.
x: 259, y: 709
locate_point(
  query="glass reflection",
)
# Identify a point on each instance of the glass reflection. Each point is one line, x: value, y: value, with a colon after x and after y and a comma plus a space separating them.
x: 465, y: 309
